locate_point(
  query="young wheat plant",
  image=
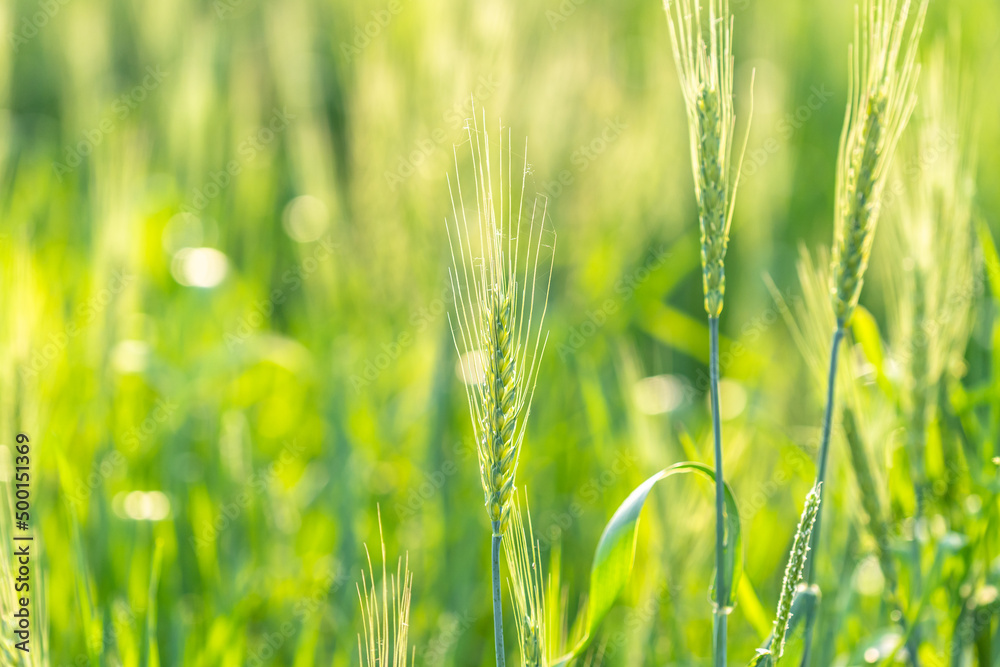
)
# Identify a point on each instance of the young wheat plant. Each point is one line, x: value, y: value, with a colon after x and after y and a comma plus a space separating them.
x: 705, y: 71
x: 883, y: 77
x: 385, y: 617
x: 501, y: 293
x: 935, y: 283
x: 933, y: 237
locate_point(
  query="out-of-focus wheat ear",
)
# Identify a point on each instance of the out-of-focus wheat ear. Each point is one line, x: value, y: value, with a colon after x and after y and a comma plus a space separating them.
x: 883, y: 78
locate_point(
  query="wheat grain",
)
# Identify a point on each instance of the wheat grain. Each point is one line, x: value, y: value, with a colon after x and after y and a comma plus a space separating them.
x: 933, y: 281
x: 499, y: 313
x: 705, y: 72
x: 793, y: 571
x: 884, y: 72
x: 496, y: 325
x: 385, y: 617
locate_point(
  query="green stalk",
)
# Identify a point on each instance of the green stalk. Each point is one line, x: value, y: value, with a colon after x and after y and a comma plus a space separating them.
x: 877, y: 526
x: 824, y: 455
x: 918, y: 437
x: 824, y: 448
x: 497, y: 606
x: 722, y: 588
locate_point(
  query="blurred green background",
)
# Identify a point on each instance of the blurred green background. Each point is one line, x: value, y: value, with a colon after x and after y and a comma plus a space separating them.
x: 224, y: 320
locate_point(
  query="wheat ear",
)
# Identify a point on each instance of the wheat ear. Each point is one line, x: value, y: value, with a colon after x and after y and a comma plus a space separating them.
x: 501, y: 298
x: 385, y: 617
x: 883, y: 77
x: 705, y: 71
x: 793, y: 572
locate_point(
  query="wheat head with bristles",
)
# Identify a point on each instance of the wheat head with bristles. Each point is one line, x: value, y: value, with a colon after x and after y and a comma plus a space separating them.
x: 501, y: 295
x: 793, y: 572
x: 933, y: 267
x: 385, y: 617
x: 883, y: 77
x: 705, y: 71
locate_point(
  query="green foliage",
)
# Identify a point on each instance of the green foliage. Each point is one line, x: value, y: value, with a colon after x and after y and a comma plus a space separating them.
x: 615, y: 553
x: 224, y: 287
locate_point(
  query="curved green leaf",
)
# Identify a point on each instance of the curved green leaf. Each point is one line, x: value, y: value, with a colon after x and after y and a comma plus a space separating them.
x: 990, y: 258
x: 615, y: 553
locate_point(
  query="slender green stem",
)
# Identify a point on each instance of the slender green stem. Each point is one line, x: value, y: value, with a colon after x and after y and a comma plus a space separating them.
x: 824, y: 448
x: 722, y: 587
x: 824, y: 455
x: 497, y: 606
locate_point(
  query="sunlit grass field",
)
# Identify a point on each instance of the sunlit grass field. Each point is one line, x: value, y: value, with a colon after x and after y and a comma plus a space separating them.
x: 225, y: 329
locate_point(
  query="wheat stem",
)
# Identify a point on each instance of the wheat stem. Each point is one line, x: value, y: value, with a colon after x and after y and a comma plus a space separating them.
x: 824, y: 449
x: 497, y: 605
x: 705, y: 70
x: 918, y: 442
x: 872, y: 505
x: 722, y: 586
x: 824, y: 455
x: 810, y: 572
